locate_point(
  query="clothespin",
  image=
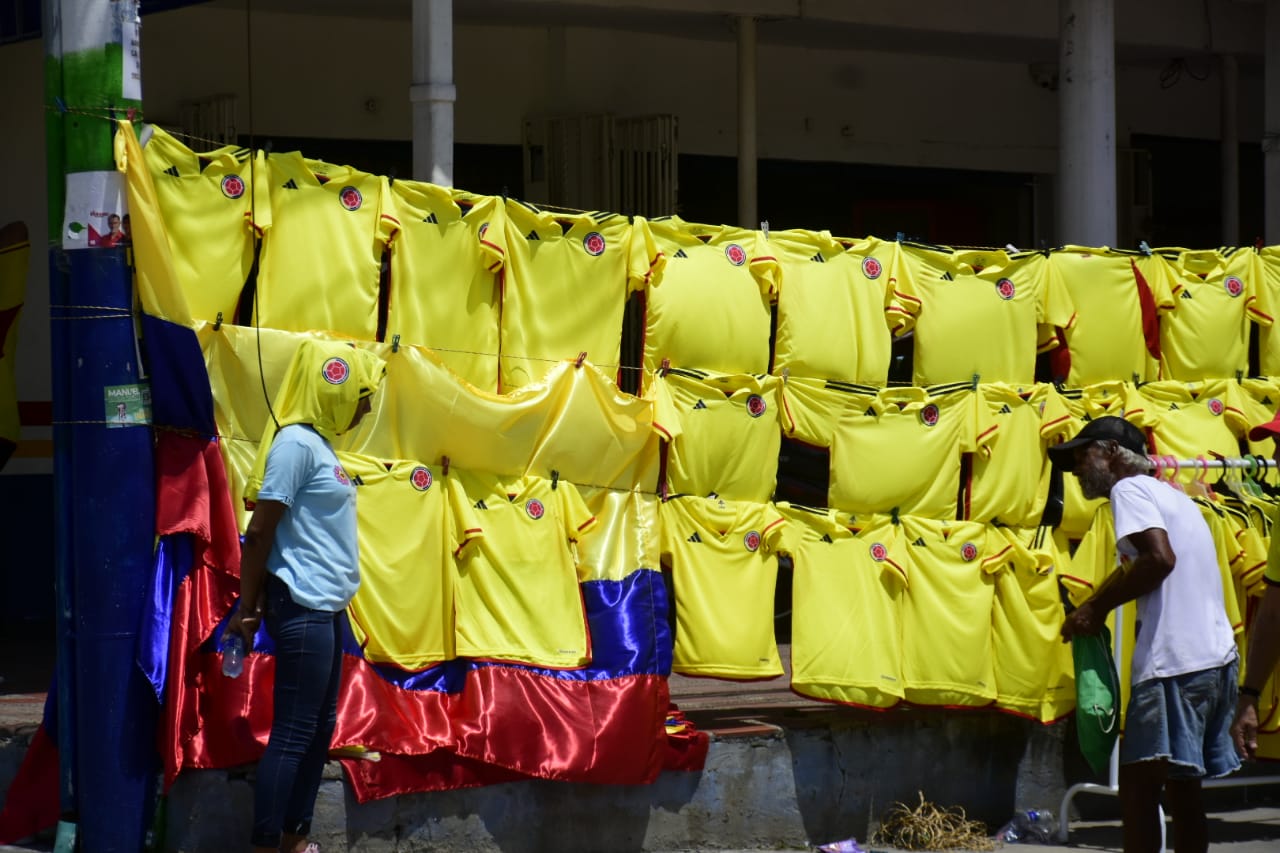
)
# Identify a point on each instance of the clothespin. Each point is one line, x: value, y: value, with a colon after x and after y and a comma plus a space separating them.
x: 1144, y: 248
x: 764, y: 228
x: 504, y: 194
x: 900, y: 237
x: 973, y: 383
x: 1009, y: 247
x: 131, y: 113
x: 444, y: 463
x: 665, y: 368
x: 555, y: 479
x: 662, y: 491
x: 60, y: 104
x: 786, y: 374
x: 217, y: 324
x: 391, y: 177
x: 1239, y: 377
x: 266, y: 149
x: 395, y: 343
x: 893, y: 516
x: 582, y: 356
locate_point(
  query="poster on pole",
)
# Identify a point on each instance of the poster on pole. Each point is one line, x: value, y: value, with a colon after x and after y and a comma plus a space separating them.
x: 127, y: 405
x: 97, y: 212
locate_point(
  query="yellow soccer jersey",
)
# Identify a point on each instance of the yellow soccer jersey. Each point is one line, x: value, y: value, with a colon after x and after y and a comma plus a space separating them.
x: 950, y: 594
x: 565, y: 284
x: 15, y: 250
x: 832, y: 319
x: 1266, y: 276
x: 903, y: 452
x: 1207, y: 335
x: 1107, y: 341
x: 1009, y: 481
x: 724, y: 568
x: 209, y: 207
x: 517, y: 596
x: 318, y: 204
x: 443, y: 290
x: 412, y: 522
x: 1034, y: 669
x: 708, y: 309
x: 844, y: 566
x: 958, y: 313
x: 723, y: 433
x: 812, y: 408
x: 625, y: 538
x: 1188, y: 420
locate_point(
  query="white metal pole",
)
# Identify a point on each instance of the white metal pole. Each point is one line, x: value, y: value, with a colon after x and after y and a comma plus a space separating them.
x: 433, y: 93
x: 1087, y: 122
x: 748, y: 202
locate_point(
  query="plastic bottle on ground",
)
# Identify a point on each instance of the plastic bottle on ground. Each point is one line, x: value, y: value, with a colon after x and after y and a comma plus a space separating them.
x: 233, y: 656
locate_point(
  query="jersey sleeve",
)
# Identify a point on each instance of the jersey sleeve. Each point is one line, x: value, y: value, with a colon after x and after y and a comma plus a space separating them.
x: 773, y: 530
x: 1133, y: 510
x: 645, y: 261
x: 465, y: 520
x: 489, y: 218
x: 1055, y: 416
x: 289, y: 465
x: 982, y: 429
x: 666, y: 417
x: 1267, y: 300
x: 577, y: 517
x: 1093, y: 561
x: 1055, y: 308
x: 389, y: 215
x: 765, y: 267
x: 908, y: 297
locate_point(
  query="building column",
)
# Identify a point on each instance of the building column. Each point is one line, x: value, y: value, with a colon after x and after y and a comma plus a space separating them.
x: 748, y: 188
x: 1271, y: 125
x: 1087, y: 122
x: 1230, y: 151
x: 433, y: 93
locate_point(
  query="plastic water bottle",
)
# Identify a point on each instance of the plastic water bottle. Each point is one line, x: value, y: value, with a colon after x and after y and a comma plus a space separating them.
x: 1033, y: 826
x: 233, y: 656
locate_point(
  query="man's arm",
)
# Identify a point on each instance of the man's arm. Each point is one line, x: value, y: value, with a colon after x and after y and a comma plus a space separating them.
x: 1264, y: 654
x: 258, y: 537
x: 1145, y: 572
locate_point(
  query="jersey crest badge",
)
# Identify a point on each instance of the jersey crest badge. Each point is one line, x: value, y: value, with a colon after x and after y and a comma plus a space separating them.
x: 232, y: 186
x: 594, y: 244
x: 756, y: 405
x: 1005, y: 288
x: 1215, y: 406
x: 872, y: 268
x: 1233, y: 285
x: 535, y: 509
x: 350, y: 198
x: 751, y: 541
x: 421, y: 478
x: 736, y: 254
x: 341, y: 475
x: 878, y: 552
x: 335, y: 371
x: 929, y: 415
x: 968, y: 552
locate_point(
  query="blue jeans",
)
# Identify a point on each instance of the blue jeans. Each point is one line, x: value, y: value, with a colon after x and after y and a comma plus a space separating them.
x: 1186, y: 721
x: 308, y: 672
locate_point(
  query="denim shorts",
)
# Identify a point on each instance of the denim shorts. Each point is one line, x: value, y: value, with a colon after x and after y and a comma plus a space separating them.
x: 1185, y: 719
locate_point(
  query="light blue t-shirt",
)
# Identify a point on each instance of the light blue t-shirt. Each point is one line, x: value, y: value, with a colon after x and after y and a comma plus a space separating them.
x: 315, y: 551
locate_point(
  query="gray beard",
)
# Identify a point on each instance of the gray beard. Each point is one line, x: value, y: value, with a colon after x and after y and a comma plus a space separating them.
x: 1095, y: 484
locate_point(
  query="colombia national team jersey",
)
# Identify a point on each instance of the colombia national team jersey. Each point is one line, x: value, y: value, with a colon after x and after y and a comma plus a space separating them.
x: 846, y: 566
x: 517, y: 596
x: 444, y: 275
x: 1115, y: 336
x: 209, y: 207
x: 903, y: 452
x: 1193, y: 419
x: 832, y: 308
x: 946, y: 623
x: 724, y: 567
x: 723, y: 433
x: 1266, y: 265
x: 565, y: 284
x: 988, y: 323
x: 412, y: 521
x: 316, y: 204
x: 1206, y: 336
x: 1083, y: 405
x: 1034, y: 669
x: 708, y: 308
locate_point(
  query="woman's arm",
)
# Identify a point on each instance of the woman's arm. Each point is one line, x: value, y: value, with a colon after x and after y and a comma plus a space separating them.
x: 253, y: 567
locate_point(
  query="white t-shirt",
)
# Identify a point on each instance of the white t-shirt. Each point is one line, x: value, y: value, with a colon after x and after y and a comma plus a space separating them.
x: 1183, y: 622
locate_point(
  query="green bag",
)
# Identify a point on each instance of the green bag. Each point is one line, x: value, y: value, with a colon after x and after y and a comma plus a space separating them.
x: 1097, y: 698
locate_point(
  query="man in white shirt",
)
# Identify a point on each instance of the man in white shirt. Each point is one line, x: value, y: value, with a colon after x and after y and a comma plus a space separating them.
x: 1183, y: 695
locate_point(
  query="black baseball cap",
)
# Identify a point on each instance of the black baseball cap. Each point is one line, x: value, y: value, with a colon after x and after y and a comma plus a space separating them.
x: 1108, y: 428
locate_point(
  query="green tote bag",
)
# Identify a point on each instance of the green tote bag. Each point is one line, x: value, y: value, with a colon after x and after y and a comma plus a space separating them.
x: 1097, y: 697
